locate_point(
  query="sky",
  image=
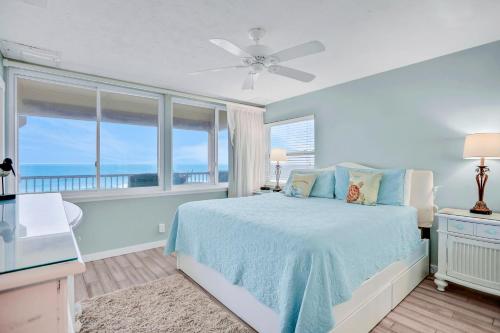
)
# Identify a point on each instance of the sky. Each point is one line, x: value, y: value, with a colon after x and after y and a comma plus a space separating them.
x: 63, y: 141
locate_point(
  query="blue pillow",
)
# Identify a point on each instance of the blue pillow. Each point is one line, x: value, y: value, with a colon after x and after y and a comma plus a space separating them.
x: 324, y: 185
x: 392, y: 185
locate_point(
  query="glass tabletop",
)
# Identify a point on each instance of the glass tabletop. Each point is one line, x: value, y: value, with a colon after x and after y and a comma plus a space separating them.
x: 34, y: 232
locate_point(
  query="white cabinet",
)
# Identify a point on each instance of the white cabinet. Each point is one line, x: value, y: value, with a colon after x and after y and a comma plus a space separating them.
x: 469, y: 250
x: 37, y: 264
x: 37, y: 308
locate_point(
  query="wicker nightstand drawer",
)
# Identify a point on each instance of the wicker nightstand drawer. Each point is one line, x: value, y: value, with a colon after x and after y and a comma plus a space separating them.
x: 488, y: 231
x: 461, y: 227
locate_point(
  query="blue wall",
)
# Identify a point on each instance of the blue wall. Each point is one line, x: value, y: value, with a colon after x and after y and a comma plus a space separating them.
x: 120, y: 223
x: 112, y: 224
x: 412, y: 117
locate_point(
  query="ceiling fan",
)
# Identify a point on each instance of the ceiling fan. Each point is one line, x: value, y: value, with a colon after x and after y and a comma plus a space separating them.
x: 257, y: 58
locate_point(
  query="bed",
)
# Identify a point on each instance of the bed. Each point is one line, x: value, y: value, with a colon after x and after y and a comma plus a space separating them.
x: 305, y: 265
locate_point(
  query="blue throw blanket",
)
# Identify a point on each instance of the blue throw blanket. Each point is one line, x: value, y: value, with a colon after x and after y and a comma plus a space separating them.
x: 300, y: 257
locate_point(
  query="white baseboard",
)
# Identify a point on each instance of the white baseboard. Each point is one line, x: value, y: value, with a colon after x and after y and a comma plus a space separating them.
x: 122, y: 250
x: 434, y: 269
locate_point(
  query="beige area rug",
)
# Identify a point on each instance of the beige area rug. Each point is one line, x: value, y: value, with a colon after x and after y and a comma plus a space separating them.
x: 171, y: 304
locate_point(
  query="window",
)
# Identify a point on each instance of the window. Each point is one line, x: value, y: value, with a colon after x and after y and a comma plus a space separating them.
x: 199, y: 143
x: 128, y: 141
x: 80, y: 138
x: 86, y: 137
x: 297, y: 137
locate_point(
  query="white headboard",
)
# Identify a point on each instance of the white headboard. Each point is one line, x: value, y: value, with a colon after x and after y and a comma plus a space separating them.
x: 422, y: 196
x: 421, y: 192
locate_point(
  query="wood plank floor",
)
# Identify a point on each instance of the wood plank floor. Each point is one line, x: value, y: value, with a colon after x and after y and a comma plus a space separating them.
x: 425, y: 310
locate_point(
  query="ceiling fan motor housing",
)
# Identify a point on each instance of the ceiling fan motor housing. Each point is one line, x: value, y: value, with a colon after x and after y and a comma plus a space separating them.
x: 258, y: 50
x: 258, y: 63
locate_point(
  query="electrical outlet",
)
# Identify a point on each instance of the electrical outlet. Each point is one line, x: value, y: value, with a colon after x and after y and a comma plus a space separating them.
x: 161, y: 227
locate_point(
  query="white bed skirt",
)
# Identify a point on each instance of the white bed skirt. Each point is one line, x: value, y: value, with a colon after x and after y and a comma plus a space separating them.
x: 374, y: 299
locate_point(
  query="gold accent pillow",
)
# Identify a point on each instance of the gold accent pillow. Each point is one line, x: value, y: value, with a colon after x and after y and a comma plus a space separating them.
x: 301, y: 185
x: 363, y: 187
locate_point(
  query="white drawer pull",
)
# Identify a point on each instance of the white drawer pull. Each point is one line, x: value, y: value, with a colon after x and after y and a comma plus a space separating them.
x: 459, y: 226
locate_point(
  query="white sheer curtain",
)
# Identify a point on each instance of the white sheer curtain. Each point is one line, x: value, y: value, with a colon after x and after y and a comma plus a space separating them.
x: 246, y: 130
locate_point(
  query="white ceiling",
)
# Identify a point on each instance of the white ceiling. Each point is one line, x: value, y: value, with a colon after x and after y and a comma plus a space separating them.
x: 159, y: 42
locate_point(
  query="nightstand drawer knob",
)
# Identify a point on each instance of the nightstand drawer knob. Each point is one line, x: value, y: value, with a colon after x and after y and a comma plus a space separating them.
x: 461, y: 227
x: 488, y: 231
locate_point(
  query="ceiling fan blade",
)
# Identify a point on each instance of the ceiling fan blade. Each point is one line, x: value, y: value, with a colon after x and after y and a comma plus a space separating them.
x: 298, y: 51
x: 249, y: 82
x: 218, y: 69
x: 291, y: 73
x: 230, y: 47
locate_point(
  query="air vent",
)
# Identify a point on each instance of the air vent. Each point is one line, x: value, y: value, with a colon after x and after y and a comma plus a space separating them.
x: 31, y: 54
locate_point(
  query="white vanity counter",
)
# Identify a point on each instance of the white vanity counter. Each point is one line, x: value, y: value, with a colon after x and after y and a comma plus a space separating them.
x: 38, y: 258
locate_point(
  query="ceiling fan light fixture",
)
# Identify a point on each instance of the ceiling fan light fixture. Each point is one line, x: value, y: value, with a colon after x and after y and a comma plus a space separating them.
x: 249, y: 82
x: 257, y: 68
x: 257, y: 58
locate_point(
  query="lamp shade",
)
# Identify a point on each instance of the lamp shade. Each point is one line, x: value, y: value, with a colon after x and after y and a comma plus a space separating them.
x: 482, y: 145
x: 278, y: 155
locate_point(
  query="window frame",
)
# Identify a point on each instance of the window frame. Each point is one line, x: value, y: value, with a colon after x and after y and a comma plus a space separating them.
x: 214, y: 164
x: 268, y: 126
x: 12, y: 133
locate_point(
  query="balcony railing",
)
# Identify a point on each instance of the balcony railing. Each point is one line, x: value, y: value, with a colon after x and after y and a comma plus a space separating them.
x: 35, y: 184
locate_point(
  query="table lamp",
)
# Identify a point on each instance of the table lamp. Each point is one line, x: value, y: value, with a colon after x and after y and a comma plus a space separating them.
x: 278, y: 155
x: 482, y: 146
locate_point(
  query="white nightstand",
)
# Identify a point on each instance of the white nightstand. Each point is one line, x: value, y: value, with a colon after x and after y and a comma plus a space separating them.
x: 469, y: 250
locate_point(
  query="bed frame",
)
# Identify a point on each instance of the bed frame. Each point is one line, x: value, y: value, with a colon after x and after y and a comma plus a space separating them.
x: 371, y: 302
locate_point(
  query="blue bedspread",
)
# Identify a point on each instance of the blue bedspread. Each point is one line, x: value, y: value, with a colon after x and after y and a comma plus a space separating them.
x: 300, y: 257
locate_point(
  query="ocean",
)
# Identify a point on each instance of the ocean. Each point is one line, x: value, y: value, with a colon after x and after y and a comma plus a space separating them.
x: 28, y: 170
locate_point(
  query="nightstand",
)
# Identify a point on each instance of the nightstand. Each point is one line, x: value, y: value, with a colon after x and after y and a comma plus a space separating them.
x: 469, y: 250
x: 259, y: 192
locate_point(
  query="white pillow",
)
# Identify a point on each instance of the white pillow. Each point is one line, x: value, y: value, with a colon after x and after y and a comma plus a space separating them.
x: 408, y: 178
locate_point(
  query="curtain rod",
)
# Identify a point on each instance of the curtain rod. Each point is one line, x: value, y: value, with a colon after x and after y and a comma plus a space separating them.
x: 126, y: 84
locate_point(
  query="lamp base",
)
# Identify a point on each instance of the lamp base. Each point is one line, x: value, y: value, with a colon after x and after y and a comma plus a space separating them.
x: 481, y: 208
x: 277, y: 189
